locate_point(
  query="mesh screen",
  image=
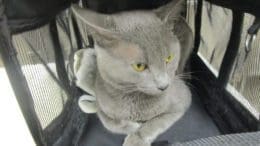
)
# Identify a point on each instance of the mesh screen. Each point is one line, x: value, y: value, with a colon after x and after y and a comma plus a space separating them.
x: 246, y: 72
x: 215, y: 32
x: 49, y: 99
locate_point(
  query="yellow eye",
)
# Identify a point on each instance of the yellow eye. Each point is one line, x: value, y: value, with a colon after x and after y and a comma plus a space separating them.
x: 169, y: 59
x: 139, y: 67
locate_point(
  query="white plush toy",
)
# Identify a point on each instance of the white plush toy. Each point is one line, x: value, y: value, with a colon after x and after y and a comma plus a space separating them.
x: 85, y: 78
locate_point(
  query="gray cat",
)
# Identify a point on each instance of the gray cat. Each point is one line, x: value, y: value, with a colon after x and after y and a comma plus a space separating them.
x: 134, y: 70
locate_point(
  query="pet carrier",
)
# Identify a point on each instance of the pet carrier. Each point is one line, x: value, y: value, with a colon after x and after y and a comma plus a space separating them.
x: 39, y: 38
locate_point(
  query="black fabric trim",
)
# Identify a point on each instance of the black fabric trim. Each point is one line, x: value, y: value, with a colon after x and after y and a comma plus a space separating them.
x: 249, y: 6
x: 18, y: 81
x: 198, y: 17
x: 113, y: 6
x: 232, y: 48
x: 77, y: 32
x: 59, y: 59
x: 22, y: 25
x: 29, y: 15
x: 24, y: 15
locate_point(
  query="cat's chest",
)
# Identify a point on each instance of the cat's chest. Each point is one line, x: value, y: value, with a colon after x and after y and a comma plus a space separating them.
x: 146, y: 108
x: 134, y: 108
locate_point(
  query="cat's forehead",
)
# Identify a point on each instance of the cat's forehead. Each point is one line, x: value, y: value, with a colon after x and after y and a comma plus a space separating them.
x: 143, y: 29
x: 150, y: 38
x: 144, y: 48
x: 142, y: 35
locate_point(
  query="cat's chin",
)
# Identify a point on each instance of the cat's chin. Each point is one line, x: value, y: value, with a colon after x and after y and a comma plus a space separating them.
x: 152, y: 92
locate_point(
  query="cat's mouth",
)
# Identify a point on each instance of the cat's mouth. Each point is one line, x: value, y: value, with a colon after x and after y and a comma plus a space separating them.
x: 151, y: 91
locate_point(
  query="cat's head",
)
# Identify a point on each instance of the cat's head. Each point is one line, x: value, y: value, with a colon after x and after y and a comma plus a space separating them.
x: 136, y: 50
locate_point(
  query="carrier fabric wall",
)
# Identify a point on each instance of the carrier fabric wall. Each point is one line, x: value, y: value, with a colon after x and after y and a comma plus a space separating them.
x: 54, y: 101
x: 216, y: 26
x: 43, y: 43
x: 49, y: 99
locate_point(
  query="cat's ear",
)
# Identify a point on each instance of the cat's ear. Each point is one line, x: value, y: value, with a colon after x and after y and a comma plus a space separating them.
x: 171, y: 11
x: 98, y: 24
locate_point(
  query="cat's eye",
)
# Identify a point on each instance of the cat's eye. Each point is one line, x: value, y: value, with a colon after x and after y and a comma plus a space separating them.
x: 139, y: 67
x: 169, y: 58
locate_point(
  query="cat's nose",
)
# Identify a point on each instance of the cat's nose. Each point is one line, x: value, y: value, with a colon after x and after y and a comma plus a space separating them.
x: 162, y: 88
x: 162, y: 82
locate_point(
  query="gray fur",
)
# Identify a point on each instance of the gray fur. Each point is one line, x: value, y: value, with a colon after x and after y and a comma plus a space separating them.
x: 131, y: 102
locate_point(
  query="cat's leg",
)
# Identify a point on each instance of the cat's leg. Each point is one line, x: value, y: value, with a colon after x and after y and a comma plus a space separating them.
x: 118, y: 126
x: 149, y: 131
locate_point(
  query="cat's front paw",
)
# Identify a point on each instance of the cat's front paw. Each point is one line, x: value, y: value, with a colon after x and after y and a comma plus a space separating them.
x: 135, y: 140
x: 130, y: 127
